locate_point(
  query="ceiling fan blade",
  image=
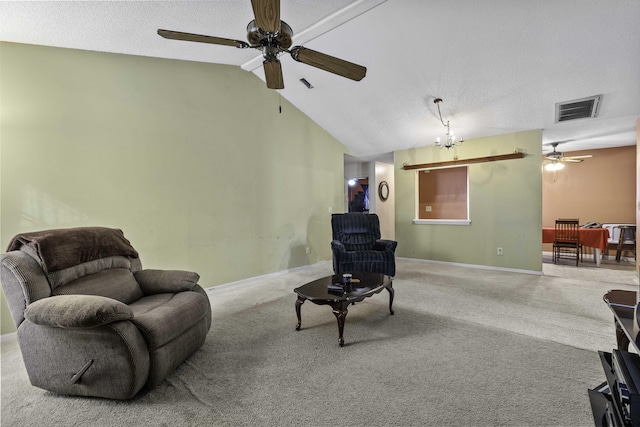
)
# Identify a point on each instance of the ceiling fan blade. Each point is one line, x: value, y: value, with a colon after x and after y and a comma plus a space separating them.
x: 570, y: 160
x: 273, y: 74
x: 328, y: 63
x: 267, y: 14
x: 177, y: 35
x: 587, y: 156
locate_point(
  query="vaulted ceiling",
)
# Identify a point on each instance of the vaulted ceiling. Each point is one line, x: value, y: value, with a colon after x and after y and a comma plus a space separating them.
x: 499, y: 65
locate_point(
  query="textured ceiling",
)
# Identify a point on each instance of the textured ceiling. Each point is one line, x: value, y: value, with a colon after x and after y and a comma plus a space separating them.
x: 500, y: 65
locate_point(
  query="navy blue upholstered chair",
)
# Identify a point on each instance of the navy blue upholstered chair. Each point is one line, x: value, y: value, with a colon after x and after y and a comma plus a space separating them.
x: 357, y: 245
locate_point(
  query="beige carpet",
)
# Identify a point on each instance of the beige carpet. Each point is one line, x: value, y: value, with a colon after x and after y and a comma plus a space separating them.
x: 466, y: 347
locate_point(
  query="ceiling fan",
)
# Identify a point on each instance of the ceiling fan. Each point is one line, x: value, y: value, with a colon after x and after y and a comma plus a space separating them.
x: 554, y: 160
x: 273, y: 37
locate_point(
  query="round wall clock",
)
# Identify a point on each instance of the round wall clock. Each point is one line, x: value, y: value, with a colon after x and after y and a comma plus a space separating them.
x: 383, y: 191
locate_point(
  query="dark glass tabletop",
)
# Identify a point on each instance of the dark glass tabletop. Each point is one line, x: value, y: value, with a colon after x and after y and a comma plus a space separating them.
x: 330, y: 288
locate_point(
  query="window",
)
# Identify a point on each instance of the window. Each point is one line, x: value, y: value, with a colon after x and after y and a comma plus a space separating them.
x: 442, y: 196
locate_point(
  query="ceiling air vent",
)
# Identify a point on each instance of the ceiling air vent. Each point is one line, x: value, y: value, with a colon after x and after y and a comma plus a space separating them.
x: 584, y: 108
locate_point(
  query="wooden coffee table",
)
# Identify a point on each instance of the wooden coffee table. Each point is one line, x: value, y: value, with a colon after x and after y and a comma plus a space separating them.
x: 318, y: 292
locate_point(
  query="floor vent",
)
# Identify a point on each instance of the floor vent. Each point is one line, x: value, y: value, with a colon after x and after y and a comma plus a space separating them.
x: 584, y: 108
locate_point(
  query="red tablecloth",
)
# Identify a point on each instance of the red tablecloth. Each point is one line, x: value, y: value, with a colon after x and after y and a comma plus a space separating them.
x: 591, y: 237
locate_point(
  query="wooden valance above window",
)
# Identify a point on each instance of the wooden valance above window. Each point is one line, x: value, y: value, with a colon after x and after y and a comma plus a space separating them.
x: 515, y: 155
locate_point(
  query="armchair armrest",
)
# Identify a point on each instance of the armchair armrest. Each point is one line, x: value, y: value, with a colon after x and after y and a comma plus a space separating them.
x: 338, y: 246
x: 77, y: 311
x: 165, y: 281
x: 383, y: 244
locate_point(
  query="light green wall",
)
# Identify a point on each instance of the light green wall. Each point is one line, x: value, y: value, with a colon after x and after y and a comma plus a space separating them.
x: 505, y: 206
x: 192, y: 161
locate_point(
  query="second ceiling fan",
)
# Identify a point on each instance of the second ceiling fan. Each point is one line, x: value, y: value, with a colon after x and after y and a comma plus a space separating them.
x: 555, y: 158
x: 273, y: 37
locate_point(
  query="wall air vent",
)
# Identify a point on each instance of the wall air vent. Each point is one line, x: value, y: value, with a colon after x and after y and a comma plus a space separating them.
x: 584, y: 108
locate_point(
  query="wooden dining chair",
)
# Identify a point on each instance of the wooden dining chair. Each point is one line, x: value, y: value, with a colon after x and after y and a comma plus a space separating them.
x: 566, y: 241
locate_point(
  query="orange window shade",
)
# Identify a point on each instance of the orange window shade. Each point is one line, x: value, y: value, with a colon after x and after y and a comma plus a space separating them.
x: 442, y: 193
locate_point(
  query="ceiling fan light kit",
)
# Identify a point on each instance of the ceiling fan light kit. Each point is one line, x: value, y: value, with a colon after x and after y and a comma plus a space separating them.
x: 450, y: 139
x: 274, y: 37
x: 554, y: 166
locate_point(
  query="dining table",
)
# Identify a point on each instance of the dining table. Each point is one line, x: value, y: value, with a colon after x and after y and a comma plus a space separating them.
x: 596, y: 238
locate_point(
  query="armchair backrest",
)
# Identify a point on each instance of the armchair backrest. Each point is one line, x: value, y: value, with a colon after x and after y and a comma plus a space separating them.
x: 356, y: 231
x: 85, y: 260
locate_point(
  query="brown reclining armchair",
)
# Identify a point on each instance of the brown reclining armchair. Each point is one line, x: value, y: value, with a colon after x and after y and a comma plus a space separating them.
x: 90, y: 321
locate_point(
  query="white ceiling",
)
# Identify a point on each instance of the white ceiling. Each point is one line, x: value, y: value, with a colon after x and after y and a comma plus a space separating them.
x: 500, y: 65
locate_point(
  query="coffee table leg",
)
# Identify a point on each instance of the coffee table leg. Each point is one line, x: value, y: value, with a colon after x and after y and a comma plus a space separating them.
x: 341, y: 314
x: 391, y: 294
x: 299, y: 302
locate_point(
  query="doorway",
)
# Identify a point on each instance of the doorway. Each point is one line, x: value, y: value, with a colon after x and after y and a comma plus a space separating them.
x: 358, y: 195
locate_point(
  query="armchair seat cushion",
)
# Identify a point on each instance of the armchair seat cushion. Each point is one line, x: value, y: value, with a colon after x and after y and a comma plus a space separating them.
x: 163, y: 317
x: 372, y: 261
x: 365, y: 256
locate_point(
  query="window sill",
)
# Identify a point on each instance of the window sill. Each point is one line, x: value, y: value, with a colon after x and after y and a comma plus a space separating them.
x: 443, y: 221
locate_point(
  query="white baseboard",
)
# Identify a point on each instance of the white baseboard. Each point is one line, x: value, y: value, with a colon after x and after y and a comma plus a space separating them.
x: 482, y: 267
x: 264, y: 276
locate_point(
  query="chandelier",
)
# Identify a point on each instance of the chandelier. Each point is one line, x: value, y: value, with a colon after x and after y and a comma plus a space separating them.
x: 450, y: 140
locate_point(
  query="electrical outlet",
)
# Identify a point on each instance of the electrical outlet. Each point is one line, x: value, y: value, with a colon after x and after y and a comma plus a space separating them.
x: 308, y: 250
x: 330, y: 209
x: 500, y: 252
x: 427, y: 208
